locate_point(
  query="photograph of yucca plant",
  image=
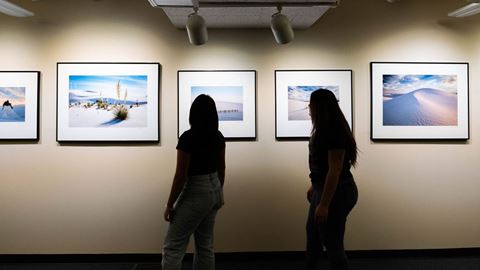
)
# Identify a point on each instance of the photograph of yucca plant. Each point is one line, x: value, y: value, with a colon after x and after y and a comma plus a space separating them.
x: 107, y: 101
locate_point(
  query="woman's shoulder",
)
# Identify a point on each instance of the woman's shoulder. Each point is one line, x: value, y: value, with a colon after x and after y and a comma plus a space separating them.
x: 186, y: 135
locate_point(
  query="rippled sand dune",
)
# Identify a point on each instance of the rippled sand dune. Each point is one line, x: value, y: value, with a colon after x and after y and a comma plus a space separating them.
x: 423, y: 107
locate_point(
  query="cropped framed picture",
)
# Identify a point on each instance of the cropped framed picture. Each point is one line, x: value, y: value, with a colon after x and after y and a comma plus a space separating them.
x: 108, y: 102
x: 419, y: 101
x: 292, y: 96
x: 19, y: 98
x: 234, y: 92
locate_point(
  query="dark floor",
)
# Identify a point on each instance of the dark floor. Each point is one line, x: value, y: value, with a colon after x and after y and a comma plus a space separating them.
x: 454, y: 263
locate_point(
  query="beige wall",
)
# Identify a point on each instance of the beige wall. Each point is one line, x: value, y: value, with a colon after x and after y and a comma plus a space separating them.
x: 109, y: 199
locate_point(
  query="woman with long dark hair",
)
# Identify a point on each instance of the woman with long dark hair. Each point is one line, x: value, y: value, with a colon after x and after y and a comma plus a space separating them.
x: 196, y: 193
x: 333, y: 193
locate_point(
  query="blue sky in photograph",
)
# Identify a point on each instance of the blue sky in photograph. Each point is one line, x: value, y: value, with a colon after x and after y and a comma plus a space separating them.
x: 303, y: 92
x: 106, y: 86
x: 13, y: 94
x: 304, y: 88
x: 232, y: 94
x: 403, y: 84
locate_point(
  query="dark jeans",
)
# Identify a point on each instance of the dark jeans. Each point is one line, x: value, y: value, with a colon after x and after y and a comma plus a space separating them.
x: 330, y: 235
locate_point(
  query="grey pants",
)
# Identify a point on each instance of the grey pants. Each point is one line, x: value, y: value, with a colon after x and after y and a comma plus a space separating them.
x: 194, y: 213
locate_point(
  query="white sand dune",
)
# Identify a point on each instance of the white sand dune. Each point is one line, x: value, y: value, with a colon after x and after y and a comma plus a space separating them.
x: 422, y: 107
x: 8, y: 114
x: 222, y: 106
x: 229, y: 111
x: 91, y: 117
x: 298, y: 110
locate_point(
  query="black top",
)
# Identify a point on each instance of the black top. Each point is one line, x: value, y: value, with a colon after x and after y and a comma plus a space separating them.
x: 204, y: 150
x: 318, y: 157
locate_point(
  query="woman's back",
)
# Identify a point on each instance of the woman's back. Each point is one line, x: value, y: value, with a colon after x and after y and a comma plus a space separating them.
x: 204, y: 148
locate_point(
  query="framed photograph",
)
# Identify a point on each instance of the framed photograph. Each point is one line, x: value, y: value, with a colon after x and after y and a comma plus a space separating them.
x: 419, y: 101
x: 19, y: 97
x: 108, y: 102
x: 234, y: 92
x: 292, y: 96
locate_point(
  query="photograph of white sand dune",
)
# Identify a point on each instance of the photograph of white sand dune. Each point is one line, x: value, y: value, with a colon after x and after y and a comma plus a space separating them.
x: 420, y: 100
x: 228, y: 99
x: 12, y: 100
x: 299, y: 98
x: 107, y: 101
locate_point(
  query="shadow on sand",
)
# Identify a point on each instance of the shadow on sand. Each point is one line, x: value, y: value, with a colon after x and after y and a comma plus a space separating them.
x: 111, y: 122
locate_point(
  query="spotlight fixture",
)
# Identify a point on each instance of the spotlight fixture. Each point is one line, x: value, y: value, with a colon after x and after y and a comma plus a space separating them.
x: 471, y: 9
x: 281, y: 28
x: 196, y: 28
x: 13, y: 10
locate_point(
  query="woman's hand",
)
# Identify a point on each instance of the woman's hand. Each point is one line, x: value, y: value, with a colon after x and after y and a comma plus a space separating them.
x: 309, y: 193
x: 181, y: 172
x: 168, y: 214
x: 321, y: 214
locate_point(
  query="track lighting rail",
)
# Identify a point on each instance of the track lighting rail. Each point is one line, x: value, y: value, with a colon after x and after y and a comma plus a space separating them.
x: 279, y: 23
x: 212, y: 4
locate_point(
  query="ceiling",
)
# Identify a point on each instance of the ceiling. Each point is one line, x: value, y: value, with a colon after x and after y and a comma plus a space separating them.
x: 233, y: 16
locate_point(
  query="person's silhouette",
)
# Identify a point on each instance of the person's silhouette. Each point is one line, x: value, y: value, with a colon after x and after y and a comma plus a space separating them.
x: 197, y: 188
x: 333, y: 193
x: 7, y: 104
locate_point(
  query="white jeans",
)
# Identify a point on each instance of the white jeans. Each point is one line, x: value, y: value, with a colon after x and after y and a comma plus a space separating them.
x: 194, y: 213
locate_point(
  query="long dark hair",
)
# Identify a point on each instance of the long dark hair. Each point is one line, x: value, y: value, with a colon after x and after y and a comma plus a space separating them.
x: 329, y: 122
x: 203, y: 115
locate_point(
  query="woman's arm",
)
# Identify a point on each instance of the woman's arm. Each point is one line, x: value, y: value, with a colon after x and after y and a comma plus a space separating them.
x: 221, y: 166
x: 181, y: 173
x: 335, y: 165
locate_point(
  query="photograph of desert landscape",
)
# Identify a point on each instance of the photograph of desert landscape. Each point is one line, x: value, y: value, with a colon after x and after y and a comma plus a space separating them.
x: 420, y: 100
x: 228, y: 99
x: 12, y: 100
x: 299, y: 97
x: 107, y: 101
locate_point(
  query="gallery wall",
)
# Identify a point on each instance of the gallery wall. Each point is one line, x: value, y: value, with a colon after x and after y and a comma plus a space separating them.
x: 109, y: 198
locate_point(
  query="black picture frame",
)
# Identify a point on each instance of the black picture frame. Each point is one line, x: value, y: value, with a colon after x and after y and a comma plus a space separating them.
x: 27, y: 130
x: 299, y: 130
x: 244, y: 130
x: 153, y: 72
x: 451, y: 126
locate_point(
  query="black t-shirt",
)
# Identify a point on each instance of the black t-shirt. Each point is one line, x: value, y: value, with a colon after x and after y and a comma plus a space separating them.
x: 318, y: 156
x: 204, y: 150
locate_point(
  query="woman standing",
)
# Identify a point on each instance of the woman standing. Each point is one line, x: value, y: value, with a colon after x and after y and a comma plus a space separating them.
x: 196, y: 192
x: 333, y: 193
